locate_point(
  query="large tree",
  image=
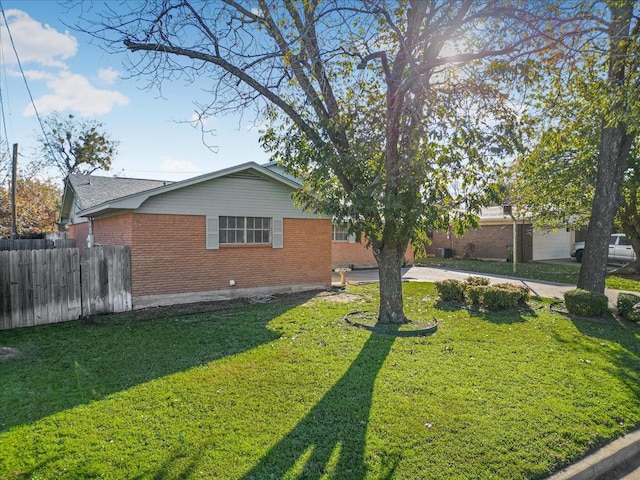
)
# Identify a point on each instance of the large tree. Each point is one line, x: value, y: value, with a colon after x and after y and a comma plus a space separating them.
x: 76, y: 146
x: 393, y: 113
x: 555, y: 181
x: 584, y: 167
x: 618, y: 126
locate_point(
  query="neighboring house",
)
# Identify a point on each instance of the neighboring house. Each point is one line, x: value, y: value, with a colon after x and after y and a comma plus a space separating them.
x: 230, y: 233
x: 495, y: 232
x: 86, y: 191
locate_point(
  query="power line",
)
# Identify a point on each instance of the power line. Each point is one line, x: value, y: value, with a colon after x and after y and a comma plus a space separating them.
x: 2, y: 112
x: 26, y: 84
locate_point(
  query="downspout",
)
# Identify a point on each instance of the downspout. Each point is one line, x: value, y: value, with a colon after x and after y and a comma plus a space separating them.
x: 90, y: 235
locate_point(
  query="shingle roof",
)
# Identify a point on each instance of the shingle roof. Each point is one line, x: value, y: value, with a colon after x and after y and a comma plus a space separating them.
x: 91, y: 190
x: 132, y: 201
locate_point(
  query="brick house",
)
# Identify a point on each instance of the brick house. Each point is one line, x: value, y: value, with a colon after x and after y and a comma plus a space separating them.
x: 87, y: 191
x: 347, y: 251
x: 230, y: 233
x: 495, y: 232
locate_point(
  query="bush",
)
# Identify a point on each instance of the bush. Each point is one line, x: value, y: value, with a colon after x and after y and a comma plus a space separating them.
x: 451, y: 290
x: 476, y: 281
x: 629, y: 306
x: 475, y: 293
x: 504, y: 295
x: 585, y: 303
x: 520, y: 292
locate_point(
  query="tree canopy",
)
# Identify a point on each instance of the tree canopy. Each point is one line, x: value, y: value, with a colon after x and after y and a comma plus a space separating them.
x: 37, y: 203
x: 76, y: 146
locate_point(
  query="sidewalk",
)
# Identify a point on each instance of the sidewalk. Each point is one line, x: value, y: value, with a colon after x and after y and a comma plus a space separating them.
x: 620, y: 460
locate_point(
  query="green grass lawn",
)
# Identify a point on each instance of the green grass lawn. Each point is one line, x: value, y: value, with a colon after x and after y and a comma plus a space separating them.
x: 288, y: 390
x: 560, y: 273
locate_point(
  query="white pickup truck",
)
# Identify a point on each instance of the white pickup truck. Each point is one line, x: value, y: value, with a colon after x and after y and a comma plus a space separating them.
x: 620, y: 249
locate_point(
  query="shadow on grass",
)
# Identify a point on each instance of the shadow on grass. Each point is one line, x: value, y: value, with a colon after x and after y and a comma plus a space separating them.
x: 511, y: 315
x: 627, y: 335
x: 330, y: 440
x: 68, y: 364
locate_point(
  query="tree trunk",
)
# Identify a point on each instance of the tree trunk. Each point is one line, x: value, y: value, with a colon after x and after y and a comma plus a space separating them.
x: 631, y: 269
x: 613, y: 156
x: 390, y: 258
x: 615, y: 145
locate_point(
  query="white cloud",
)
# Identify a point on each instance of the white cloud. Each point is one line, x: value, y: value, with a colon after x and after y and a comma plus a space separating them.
x: 32, y: 74
x: 179, y: 166
x: 107, y: 76
x: 73, y: 92
x: 40, y: 44
x: 35, y: 42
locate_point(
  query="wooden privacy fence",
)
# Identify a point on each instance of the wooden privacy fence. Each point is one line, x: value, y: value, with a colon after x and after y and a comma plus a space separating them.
x: 36, y: 244
x: 38, y: 287
x: 105, y: 273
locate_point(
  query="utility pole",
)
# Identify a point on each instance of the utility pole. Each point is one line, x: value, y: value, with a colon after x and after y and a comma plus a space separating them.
x: 508, y: 210
x: 14, y: 178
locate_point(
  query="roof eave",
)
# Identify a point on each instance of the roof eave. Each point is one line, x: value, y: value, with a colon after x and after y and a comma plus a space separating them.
x: 66, y: 205
x: 101, y: 210
x: 134, y: 201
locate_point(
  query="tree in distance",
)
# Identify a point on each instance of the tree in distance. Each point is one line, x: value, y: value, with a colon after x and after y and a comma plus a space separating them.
x: 76, y: 146
x: 37, y: 203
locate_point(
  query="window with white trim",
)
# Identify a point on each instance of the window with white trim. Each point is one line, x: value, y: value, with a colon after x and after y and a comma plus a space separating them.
x: 244, y: 230
x: 339, y: 233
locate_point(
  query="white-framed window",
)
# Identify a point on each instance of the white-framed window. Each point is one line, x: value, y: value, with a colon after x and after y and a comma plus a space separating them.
x: 243, y: 230
x: 339, y: 233
x: 227, y: 230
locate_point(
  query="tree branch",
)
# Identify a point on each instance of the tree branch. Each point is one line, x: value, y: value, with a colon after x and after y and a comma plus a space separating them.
x: 239, y: 74
x: 383, y: 58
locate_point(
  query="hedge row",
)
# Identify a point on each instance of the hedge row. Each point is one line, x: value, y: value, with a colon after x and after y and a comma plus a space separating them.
x: 477, y: 291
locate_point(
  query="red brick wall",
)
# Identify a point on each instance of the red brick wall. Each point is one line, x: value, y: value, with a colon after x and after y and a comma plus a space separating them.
x: 79, y: 232
x: 168, y: 256
x: 345, y: 254
x: 115, y: 230
x: 490, y: 242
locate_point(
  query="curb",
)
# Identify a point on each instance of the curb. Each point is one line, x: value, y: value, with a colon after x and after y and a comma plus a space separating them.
x: 603, y: 460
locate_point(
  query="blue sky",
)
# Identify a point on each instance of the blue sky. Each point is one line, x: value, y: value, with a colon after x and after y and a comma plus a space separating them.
x: 68, y: 73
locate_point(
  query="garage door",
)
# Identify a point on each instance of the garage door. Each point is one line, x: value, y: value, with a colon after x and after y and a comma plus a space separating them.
x: 550, y: 245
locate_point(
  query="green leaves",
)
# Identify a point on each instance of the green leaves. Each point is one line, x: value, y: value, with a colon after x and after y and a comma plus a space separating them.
x: 37, y: 204
x: 74, y: 146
